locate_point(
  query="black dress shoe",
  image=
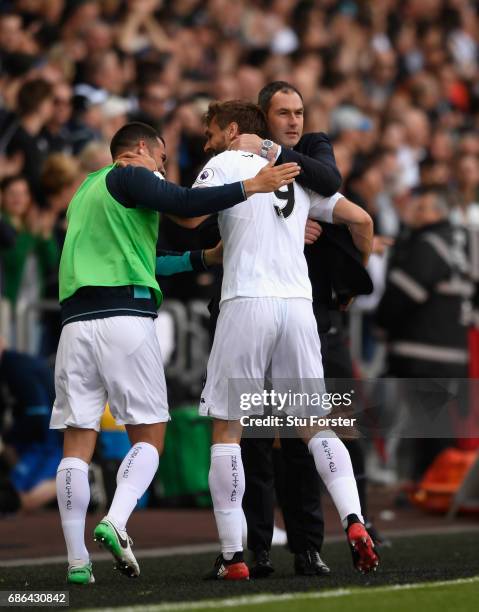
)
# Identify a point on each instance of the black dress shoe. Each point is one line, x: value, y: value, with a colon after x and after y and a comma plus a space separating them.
x: 261, y: 566
x: 310, y: 563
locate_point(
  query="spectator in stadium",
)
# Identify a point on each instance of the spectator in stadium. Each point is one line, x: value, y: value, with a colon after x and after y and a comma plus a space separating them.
x: 466, y: 194
x: 424, y: 305
x: 34, y: 239
x: 114, y: 116
x: 140, y: 31
x: 417, y: 301
x: 10, y: 33
x: 61, y: 176
x: 379, y: 86
x: 94, y: 155
x: 365, y: 183
x: 153, y: 99
x: 105, y: 71
x: 434, y: 172
x: 98, y: 36
x: 86, y: 122
x: 35, y: 110
x: 56, y: 131
x: 350, y: 128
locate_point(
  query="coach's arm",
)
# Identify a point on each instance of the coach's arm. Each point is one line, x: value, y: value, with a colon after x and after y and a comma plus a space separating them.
x: 313, y: 153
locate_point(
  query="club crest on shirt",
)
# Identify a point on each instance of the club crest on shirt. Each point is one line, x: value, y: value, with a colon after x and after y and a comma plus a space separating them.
x: 205, y: 176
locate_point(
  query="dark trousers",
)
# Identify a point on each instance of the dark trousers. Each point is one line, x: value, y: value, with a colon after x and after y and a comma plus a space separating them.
x: 289, y: 470
x: 337, y: 363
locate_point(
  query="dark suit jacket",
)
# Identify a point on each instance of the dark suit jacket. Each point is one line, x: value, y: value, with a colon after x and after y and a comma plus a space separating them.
x: 334, y: 263
x: 336, y: 272
x: 314, y: 154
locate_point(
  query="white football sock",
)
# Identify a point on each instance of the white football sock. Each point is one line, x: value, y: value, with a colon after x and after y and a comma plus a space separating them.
x: 227, y: 484
x: 134, y: 476
x: 73, y: 495
x: 335, y: 469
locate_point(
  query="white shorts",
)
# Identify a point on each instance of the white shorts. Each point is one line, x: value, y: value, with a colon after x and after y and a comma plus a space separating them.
x: 116, y: 359
x: 258, y: 338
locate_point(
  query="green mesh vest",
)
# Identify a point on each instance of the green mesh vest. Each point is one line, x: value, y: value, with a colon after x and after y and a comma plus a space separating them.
x: 107, y: 244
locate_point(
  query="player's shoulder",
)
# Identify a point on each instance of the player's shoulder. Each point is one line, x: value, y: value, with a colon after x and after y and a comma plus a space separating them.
x: 230, y: 166
x: 229, y: 158
x: 217, y: 169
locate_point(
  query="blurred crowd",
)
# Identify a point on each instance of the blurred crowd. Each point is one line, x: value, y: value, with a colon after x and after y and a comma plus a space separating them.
x: 394, y: 83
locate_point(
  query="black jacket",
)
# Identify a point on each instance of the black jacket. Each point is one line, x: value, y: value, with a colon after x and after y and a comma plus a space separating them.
x: 314, y: 154
x: 334, y: 263
x: 425, y: 303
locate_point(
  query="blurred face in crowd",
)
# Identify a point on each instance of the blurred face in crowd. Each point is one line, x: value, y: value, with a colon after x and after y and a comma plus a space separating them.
x: 417, y: 128
x: 437, y: 173
x: 98, y: 37
x: 10, y: 31
x: 442, y: 146
x: 469, y: 144
x: 384, y: 69
x: 94, y: 156
x: 108, y: 73
x: 250, y: 80
x: 62, y: 101
x: 426, y: 211
x: 285, y: 118
x: 153, y: 100
x: 467, y: 172
x: 16, y: 198
x: 47, y: 110
x: 217, y: 139
x: 393, y: 135
x: 344, y: 159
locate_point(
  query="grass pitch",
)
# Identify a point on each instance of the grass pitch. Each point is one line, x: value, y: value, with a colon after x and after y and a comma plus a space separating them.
x: 169, y: 580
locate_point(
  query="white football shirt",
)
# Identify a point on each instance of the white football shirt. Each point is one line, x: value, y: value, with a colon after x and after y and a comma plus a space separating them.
x: 263, y: 237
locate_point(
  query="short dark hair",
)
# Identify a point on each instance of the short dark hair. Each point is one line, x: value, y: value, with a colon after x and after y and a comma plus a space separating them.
x: 10, y: 180
x: 268, y: 91
x: 440, y: 193
x: 129, y: 135
x: 32, y: 94
x: 249, y: 117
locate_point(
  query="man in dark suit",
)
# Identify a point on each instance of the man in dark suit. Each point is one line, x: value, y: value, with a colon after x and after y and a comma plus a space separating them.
x: 297, y: 482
